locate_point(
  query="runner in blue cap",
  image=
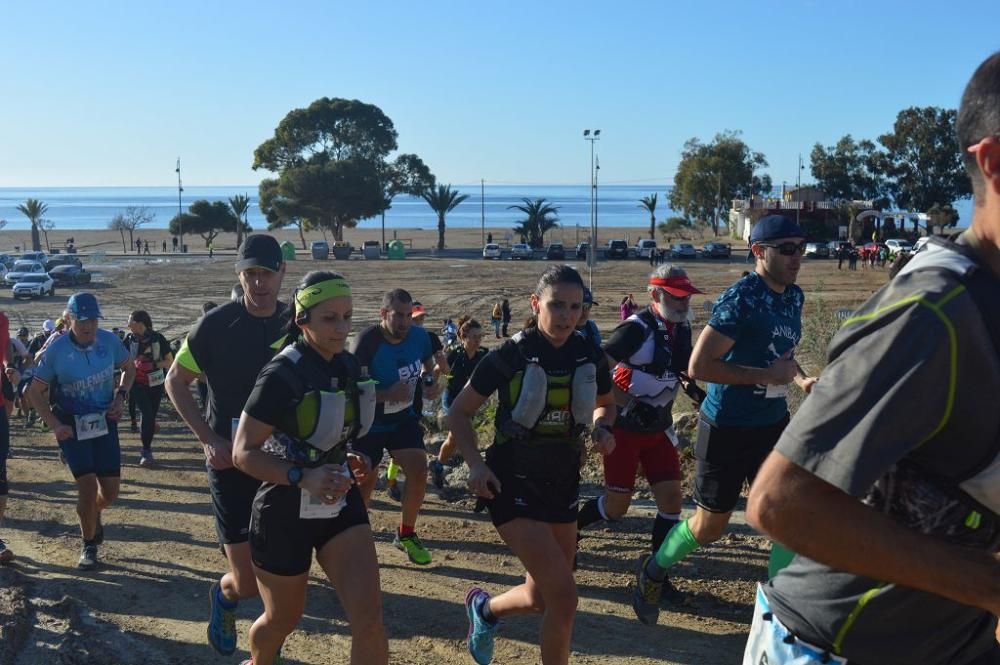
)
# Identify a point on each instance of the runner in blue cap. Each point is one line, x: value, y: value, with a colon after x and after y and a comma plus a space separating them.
x: 79, y: 370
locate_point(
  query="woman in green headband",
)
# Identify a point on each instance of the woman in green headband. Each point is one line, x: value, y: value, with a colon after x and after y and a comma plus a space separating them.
x: 308, y: 405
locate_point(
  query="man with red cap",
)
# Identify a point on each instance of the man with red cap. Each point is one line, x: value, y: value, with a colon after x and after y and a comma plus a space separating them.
x: 745, y: 355
x: 649, y: 352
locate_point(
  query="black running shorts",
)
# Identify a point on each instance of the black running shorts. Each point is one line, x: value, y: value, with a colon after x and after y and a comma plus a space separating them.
x: 233, y: 494
x: 281, y: 542
x: 408, y: 434
x: 539, y: 483
x: 726, y: 458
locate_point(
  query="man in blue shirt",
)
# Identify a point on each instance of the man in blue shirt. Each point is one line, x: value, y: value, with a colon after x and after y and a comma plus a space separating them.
x: 78, y: 369
x: 586, y: 327
x: 398, y: 355
x: 745, y: 355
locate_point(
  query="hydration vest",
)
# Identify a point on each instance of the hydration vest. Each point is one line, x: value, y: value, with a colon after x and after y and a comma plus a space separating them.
x: 543, y: 406
x: 329, y: 414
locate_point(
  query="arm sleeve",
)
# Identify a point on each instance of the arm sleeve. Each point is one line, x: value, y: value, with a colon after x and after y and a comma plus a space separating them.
x: 272, y: 398
x: 625, y: 340
x: 860, y: 418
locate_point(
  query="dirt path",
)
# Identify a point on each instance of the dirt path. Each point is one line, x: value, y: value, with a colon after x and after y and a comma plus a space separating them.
x: 147, y: 603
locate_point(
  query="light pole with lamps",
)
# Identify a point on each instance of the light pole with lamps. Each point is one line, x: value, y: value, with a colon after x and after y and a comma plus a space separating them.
x: 180, y: 210
x: 592, y: 136
x: 798, y: 188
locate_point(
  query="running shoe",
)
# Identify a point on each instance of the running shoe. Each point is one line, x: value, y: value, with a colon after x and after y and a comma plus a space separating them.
x: 6, y: 556
x: 646, y: 596
x: 395, y: 491
x: 481, y: 631
x: 221, y: 624
x: 146, y: 460
x: 88, y: 557
x: 99, y: 532
x: 437, y: 473
x: 413, y: 547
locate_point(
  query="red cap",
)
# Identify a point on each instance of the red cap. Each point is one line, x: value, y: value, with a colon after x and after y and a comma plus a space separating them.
x: 679, y: 285
x: 418, y: 310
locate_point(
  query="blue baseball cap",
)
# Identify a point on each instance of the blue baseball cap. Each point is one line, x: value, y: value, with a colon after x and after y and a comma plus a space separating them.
x: 775, y: 226
x: 588, y: 298
x: 83, y: 307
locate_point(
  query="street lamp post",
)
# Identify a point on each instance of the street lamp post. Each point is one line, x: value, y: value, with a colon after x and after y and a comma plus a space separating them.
x: 180, y: 210
x: 592, y: 136
x: 798, y: 191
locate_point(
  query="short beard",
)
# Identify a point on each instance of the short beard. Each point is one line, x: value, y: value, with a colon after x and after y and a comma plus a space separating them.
x: 672, y: 316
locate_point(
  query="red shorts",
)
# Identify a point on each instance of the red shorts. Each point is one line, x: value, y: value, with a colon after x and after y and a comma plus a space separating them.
x: 654, y: 450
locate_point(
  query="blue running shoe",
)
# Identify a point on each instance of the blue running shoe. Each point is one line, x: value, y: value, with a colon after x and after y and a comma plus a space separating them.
x: 481, y: 631
x: 222, y: 624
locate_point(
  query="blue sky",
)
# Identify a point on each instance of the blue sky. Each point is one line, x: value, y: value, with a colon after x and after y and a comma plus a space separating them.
x: 110, y: 93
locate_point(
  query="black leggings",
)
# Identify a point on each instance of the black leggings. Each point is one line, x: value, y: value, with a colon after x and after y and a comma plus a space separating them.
x: 147, y: 401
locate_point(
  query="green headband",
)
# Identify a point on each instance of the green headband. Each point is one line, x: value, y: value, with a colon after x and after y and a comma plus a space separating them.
x: 313, y: 295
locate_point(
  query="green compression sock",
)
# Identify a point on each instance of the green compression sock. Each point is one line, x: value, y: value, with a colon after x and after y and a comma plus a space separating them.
x: 392, y: 470
x: 781, y: 556
x: 678, y: 544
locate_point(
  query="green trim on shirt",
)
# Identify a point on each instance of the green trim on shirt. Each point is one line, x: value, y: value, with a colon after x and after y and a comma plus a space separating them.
x: 186, y: 359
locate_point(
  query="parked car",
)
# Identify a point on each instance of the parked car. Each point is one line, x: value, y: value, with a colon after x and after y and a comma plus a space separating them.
x: 69, y: 275
x: 34, y: 285
x: 34, y: 256
x: 491, y: 251
x: 22, y: 268
x: 555, y: 252
x: 817, y: 250
x: 716, y: 250
x: 616, y: 249
x: 62, y: 260
x: 6, y: 260
x: 683, y: 250
x: 581, y: 250
x: 521, y: 251
x: 897, y: 245
x: 643, y: 248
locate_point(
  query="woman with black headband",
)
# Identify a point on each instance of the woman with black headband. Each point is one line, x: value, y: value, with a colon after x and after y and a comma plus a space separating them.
x: 308, y: 405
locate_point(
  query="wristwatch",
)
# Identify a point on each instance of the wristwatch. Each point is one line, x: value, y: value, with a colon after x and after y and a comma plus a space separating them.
x: 294, y: 476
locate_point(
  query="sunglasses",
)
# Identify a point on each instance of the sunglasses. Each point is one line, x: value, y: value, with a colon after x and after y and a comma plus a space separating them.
x: 788, y: 248
x: 677, y: 298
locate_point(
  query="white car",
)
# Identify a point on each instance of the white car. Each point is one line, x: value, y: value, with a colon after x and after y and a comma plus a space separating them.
x: 34, y: 285
x: 896, y: 245
x: 491, y: 251
x: 22, y: 268
x: 644, y: 248
x: 521, y: 251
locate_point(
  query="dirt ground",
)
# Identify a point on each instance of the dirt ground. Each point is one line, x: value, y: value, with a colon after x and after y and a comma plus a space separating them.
x: 147, y: 602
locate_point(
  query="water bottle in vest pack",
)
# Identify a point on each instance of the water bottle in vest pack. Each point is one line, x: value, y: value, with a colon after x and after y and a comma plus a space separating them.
x: 584, y: 395
x: 532, y: 399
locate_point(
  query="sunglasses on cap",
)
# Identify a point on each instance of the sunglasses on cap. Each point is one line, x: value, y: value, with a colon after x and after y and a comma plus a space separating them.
x: 787, y: 248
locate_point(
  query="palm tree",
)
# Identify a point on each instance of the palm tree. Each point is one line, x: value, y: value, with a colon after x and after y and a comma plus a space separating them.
x: 649, y: 203
x: 33, y: 209
x: 240, y: 205
x: 537, y: 221
x: 443, y: 200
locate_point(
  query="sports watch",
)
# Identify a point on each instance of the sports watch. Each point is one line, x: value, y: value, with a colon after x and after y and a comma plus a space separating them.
x: 294, y: 476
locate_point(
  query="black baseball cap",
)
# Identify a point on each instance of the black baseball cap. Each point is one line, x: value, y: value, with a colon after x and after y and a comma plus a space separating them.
x: 260, y: 251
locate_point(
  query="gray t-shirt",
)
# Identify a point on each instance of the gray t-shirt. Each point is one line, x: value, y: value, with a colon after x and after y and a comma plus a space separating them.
x: 913, y: 375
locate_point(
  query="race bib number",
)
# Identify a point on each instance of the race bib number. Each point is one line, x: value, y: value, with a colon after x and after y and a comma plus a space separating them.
x: 90, y: 426
x: 156, y: 378
x: 771, y: 643
x: 312, y: 508
x: 776, y: 391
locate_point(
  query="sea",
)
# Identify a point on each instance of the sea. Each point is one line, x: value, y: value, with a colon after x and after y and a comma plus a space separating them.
x: 617, y: 206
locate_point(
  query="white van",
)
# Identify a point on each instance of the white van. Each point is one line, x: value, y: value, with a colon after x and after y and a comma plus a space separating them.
x: 643, y: 248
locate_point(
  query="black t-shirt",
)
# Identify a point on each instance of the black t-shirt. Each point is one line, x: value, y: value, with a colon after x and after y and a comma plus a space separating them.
x: 36, y: 344
x: 275, y: 397
x: 462, y: 366
x: 229, y: 347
